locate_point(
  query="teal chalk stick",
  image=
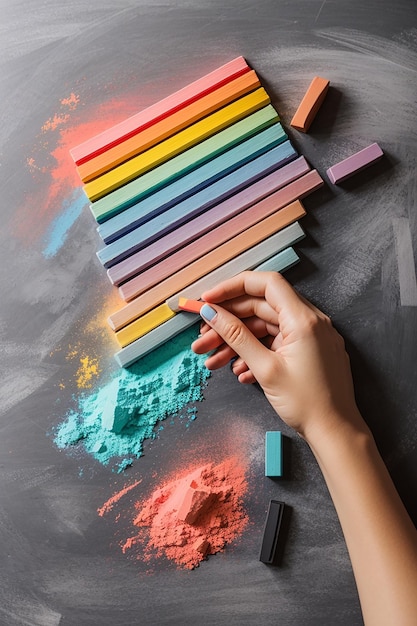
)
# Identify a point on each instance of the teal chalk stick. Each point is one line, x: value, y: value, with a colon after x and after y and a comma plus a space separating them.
x: 273, y: 454
x: 188, y: 160
x: 178, y: 190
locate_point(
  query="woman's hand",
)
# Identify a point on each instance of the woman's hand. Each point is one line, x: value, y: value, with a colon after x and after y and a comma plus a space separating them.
x: 284, y: 343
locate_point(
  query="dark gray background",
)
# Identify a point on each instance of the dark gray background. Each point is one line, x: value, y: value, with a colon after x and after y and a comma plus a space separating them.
x: 60, y: 562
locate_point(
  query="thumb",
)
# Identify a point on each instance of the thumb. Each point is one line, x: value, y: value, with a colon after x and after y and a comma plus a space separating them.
x: 236, y: 334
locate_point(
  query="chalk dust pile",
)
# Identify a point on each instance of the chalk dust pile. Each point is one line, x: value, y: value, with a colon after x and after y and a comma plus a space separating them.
x: 192, y: 516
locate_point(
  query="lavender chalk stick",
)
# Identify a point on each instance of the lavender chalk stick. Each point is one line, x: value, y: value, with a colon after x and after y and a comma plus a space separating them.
x: 354, y: 164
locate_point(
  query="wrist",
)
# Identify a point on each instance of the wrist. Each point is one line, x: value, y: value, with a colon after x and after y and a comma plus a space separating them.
x: 334, y: 427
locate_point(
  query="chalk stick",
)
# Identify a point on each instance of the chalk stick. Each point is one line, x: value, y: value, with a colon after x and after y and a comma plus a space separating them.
x: 168, y: 126
x: 187, y: 161
x: 148, y: 322
x: 193, y: 306
x: 183, y: 320
x: 283, y: 260
x: 273, y: 454
x: 200, y: 213
x: 246, y: 261
x: 205, y: 264
x: 310, y: 104
x: 216, y: 236
x: 159, y: 110
x: 271, y: 533
x: 181, y: 141
x: 191, y: 183
x: 354, y: 164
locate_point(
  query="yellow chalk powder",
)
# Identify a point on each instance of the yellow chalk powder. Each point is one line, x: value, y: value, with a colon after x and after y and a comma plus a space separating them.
x: 87, y: 372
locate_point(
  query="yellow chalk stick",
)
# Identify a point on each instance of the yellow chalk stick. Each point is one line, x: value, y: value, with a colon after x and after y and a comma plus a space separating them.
x: 144, y: 324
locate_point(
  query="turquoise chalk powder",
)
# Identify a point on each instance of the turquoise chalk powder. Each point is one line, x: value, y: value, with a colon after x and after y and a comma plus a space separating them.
x: 113, y: 422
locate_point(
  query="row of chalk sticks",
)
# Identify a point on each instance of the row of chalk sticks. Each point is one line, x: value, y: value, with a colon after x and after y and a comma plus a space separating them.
x: 194, y: 189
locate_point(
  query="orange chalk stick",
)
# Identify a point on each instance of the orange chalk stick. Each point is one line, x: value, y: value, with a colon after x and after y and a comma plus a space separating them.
x: 192, y: 306
x: 168, y: 126
x: 310, y: 104
x: 205, y: 264
x: 138, y: 122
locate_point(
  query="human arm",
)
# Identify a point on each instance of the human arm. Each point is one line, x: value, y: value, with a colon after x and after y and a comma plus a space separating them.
x: 299, y: 359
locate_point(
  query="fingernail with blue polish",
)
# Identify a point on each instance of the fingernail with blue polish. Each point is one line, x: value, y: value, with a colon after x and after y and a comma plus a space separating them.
x: 207, y: 312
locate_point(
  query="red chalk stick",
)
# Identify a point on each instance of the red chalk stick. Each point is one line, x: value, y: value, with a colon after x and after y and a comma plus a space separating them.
x: 193, y: 306
x: 310, y: 104
x: 134, y: 124
x: 354, y: 164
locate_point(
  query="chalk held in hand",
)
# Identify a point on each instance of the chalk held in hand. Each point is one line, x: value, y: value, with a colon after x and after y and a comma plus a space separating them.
x: 355, y: 163
x: 192, y: 306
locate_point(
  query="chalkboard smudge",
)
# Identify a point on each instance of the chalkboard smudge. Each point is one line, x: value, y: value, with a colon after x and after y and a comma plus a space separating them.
x: 113, y: 422
x: 405, y: 260
x: 71, y: 209
x: 58, y: 197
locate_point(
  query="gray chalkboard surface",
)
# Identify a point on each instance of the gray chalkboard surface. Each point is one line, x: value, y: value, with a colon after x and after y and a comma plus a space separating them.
x: 68, y: 68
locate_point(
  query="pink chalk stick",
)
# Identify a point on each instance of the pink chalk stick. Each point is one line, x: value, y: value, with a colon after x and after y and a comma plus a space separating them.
x: 354, y: 164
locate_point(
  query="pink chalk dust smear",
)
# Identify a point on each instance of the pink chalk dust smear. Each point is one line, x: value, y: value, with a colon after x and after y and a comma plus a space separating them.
x: 50, y: 163
x: 193, y: 516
